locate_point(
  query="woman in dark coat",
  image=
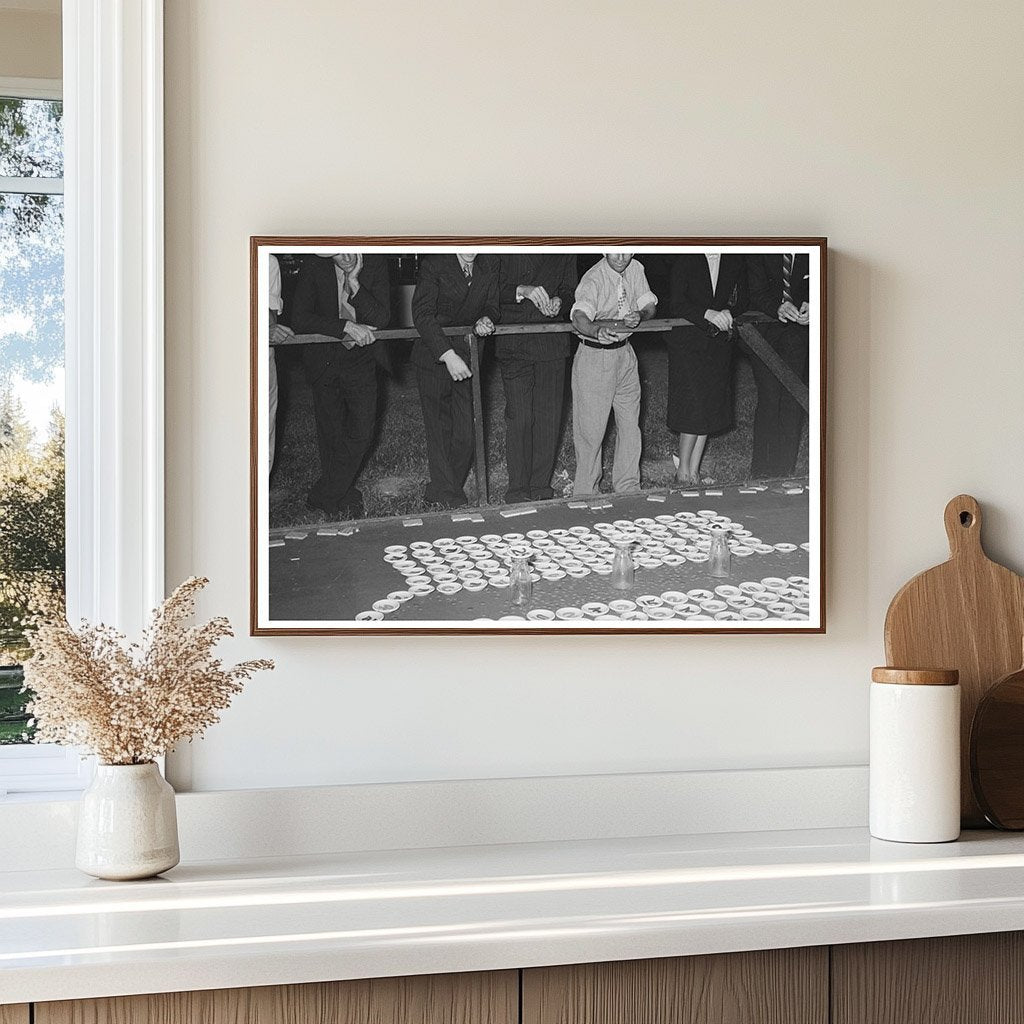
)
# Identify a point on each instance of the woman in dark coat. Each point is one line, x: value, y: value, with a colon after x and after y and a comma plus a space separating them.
x: 707, y: 289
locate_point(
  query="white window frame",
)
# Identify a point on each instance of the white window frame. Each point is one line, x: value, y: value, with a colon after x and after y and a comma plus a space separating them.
x: 114, y: 334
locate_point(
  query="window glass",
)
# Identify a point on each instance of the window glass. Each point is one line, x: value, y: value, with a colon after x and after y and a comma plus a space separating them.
x: 31, y: 387
x: 31, y: 139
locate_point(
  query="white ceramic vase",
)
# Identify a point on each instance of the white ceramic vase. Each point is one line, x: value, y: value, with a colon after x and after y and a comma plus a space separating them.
x: 127, y: 825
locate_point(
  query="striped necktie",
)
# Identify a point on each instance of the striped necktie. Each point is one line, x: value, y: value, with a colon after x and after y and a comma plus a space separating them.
x: 787, y: 277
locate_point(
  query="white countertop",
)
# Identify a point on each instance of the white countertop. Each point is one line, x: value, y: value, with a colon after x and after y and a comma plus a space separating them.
x: 352, y: 915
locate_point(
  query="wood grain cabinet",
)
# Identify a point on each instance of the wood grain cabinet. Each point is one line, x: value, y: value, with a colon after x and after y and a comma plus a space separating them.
x: 967, y: 979
x: 491, y: 998
x: 778, y: 986
x: 963, y: 979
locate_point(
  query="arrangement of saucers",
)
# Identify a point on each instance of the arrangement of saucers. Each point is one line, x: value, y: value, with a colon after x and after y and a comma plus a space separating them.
x: 449, y: 565
x: 772, y: 598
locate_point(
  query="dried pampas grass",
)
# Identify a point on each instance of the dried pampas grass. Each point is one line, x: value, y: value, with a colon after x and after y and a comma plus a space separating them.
x: 127, y: 704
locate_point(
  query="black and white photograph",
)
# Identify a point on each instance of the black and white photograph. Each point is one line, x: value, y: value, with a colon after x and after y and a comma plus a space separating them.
x: 532, y: 435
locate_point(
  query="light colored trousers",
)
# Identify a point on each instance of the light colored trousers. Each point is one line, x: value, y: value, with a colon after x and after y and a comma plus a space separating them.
x: 606, y: 381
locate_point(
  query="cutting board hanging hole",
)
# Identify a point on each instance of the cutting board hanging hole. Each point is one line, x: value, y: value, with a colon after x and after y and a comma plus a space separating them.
x: 963, y: 526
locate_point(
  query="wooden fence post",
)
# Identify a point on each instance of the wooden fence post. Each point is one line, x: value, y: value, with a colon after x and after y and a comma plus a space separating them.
x: 480, y: 461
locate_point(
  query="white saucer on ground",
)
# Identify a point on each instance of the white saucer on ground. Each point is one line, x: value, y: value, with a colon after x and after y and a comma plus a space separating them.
x: 660, y: 613
x: 569, y: 613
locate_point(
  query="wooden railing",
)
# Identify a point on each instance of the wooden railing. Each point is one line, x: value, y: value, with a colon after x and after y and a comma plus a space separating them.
x: 746, y: 328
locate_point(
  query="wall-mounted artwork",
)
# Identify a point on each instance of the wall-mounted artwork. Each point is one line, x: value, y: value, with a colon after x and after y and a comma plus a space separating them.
x: 533, y: 435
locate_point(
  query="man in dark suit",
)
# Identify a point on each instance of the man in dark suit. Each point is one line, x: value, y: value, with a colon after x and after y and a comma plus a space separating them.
x: 344, y: 296
x: 533, y: 288
x: 779, y: 288
x: 452, y: 290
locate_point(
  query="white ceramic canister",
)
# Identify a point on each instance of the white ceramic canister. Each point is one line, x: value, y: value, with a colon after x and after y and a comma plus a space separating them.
x: 915, y: 755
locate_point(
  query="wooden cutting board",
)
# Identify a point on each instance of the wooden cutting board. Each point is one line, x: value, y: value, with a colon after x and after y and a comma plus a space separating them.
x: 967, y: 614
x: 997, y: 752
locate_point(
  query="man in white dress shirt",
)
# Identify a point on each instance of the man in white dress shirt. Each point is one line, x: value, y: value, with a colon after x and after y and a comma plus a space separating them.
x: 605, y: 378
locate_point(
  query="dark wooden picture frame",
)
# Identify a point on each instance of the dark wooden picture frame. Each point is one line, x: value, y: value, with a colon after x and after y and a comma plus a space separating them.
x: 264, y: 625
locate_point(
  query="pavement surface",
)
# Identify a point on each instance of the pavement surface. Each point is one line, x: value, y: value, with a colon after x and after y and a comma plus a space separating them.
x: 334, y: 575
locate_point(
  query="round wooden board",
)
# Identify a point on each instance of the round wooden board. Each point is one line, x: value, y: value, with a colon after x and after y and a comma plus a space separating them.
x: 997, y: 752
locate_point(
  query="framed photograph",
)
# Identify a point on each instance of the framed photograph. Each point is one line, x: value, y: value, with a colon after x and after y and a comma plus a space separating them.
x: 537, y: 435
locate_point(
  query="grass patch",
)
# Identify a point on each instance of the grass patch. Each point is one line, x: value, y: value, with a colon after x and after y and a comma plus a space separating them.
x: 393, y: 479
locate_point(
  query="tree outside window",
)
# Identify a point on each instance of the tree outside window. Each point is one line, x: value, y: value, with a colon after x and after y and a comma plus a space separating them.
x: 31, y: 386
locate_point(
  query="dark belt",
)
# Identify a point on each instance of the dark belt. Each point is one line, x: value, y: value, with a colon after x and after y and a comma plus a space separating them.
x: 597, y: 344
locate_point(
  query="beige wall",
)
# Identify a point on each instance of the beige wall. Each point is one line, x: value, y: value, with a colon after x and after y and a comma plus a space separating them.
x: 895, y: 129
x: 29, y: 44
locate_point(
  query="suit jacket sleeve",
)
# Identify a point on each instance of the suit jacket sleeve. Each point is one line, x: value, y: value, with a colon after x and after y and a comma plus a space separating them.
x: 683, y: 299
x: 372, y: 302
x: 307, y: 313
x: 567, y: 284
x: 492, y: 306
x: 509, y: 270
x: 742, y: 303
x: 424, y: 309
x: 802, y: 282
x: 763, y: 297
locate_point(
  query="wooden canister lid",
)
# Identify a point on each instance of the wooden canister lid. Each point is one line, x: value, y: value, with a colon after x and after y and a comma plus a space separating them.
x: 916, y: 676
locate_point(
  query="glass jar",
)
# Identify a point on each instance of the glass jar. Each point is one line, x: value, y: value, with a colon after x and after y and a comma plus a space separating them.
x: 520, y: 586
x: 719, y: 557
x: 623, y: 569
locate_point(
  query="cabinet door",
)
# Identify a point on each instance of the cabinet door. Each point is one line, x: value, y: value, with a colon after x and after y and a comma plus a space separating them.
x: 779, y: 986
x: 491, y: 998
x: 14, y: 1014
x: 962, y: 979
